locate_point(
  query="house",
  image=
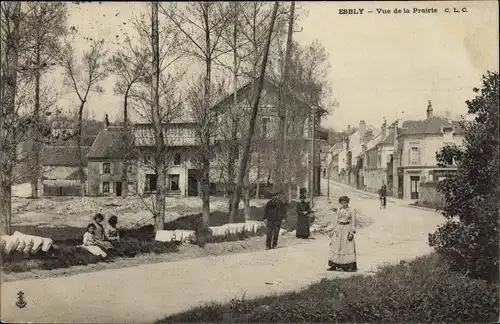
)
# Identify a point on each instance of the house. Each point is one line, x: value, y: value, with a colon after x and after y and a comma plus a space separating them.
x: 105, y: 162
x: 60, y: 170
x: 378, y: 157
x: 332, y: 161
x: 113, y: 146
x: 182, y: 172
x: 356, y: 147
x: 416, y: 147
x: 267, y: 124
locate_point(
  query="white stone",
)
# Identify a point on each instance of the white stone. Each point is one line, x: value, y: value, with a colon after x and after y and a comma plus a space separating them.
x: 11, y: 243
x: 47, y: 244
x: 165, y: 236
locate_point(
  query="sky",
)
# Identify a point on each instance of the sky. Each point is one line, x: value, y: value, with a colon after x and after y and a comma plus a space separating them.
x: 381, y: 65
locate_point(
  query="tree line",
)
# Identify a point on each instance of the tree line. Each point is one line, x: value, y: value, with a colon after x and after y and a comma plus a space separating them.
x: 232, y: 43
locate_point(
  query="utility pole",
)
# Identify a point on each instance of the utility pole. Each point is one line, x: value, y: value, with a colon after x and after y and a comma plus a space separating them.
x: 312, y: 159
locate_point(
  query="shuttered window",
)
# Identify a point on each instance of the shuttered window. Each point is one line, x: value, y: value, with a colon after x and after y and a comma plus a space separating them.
x: 414, y: 156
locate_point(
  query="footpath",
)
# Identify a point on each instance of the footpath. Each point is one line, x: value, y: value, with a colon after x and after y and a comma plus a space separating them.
x: 146, y: 293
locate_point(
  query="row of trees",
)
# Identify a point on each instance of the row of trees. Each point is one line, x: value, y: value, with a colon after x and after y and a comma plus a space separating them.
x: 238, y: 41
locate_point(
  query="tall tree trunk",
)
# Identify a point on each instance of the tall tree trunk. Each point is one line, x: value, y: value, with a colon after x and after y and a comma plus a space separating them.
x: 255, y: 108
x: 35, y: 134
x: 234, y: 120
x: 281, y: 103
x: 159, y: 208
x: 81, y: 168
x: 7, y: 134
x: 257, y: 189
x: 128, y: 145
x: 246, y: 191
x: 206, y: 152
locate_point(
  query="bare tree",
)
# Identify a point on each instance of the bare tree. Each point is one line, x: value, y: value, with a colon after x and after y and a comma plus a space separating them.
x: 202, y: 25
x: 129, y: 64
x: 283, y: 91
x: 47, y: 23
x: 12, y: 125
x: 155, y: 96
x: 255, y: 108
x: 83, y: 79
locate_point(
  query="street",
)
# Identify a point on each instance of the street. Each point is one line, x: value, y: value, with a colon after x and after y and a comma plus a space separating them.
x: 149, y: 292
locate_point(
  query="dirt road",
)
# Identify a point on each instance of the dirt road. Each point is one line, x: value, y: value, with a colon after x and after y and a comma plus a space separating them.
x: 149, y: 292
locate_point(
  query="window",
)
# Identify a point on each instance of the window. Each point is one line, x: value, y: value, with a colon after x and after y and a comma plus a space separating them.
x: 173, y: 182
x: 414, y: 156
x: 447, y: 134
x: 151, y: 182
x: 106, y: 167
x: 265, y: 122
x: 105, y: 187
x: 177, y: 158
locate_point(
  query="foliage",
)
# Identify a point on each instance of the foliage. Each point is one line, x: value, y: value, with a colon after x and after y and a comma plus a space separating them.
x: 421, y: 291
x: 471, y: 243
x: 451, y: 154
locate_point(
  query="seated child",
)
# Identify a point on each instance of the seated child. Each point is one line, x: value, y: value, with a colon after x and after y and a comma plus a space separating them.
x: 111, y: 230
x: 90, y: 243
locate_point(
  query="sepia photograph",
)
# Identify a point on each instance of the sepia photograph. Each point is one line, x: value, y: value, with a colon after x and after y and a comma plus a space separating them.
x: 249, y: 162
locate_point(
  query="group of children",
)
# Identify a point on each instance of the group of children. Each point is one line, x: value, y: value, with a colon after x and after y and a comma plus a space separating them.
x: 98, y: 239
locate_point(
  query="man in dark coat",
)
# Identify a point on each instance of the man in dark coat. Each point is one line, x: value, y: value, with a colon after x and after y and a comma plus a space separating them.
x: 274, y: 213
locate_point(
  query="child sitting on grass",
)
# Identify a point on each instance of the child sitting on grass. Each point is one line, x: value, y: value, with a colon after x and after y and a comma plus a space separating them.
x: 91, y: 244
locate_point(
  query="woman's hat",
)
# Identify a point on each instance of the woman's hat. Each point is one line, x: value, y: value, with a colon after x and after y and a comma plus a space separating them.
x: 344, y: 198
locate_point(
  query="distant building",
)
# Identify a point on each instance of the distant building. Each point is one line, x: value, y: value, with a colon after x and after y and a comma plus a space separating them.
x: 109, y: 151
x: 416, y: 148
x: 60, y: 170
x: 378, y: 158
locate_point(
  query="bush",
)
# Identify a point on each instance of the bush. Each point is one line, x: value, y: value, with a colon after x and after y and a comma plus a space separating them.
x: 421, y: 291
x: 472, y: 196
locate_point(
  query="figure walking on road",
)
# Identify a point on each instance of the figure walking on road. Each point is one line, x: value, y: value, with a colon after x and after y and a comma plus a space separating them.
x: 274, y: 213
x: 383, y: 196
x: 342, y: 245
x: 303, y: 217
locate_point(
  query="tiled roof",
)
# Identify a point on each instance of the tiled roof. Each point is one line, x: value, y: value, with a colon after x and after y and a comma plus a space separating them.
x: 63, y: 156
x: 427, y: 126
x: 108, y: 144
x: 269, y: 85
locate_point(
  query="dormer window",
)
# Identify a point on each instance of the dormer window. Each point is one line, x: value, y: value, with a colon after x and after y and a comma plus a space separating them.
x: 447, y: 134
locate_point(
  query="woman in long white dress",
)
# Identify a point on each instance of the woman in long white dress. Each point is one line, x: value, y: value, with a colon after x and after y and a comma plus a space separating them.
x: 342, y: 244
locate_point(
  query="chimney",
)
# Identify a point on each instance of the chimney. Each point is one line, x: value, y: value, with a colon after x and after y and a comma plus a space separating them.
x: 384, y: 129
x: 106, y: 120
x: 368, y: 135
x: 348, y: 130
x: 362, y: 130
x: 429, y: 110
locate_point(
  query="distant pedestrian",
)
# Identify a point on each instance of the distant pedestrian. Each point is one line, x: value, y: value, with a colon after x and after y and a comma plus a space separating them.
x: 342, y: 246
x: 383, y: 196
x: 304, y: 212
x: 274, y: 213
